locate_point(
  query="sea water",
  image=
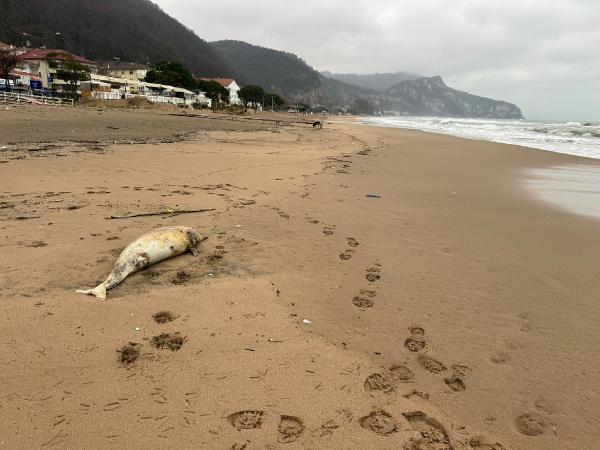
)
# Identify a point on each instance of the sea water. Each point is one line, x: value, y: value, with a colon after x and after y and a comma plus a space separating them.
x: 573, y: 138
x: 571, y: 187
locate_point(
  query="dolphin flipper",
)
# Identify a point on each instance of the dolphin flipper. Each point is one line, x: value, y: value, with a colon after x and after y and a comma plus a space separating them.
x: 99, y: 291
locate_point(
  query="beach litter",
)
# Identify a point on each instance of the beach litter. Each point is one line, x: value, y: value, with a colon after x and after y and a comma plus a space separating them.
x: 373, y: 196
x: 306, y: 321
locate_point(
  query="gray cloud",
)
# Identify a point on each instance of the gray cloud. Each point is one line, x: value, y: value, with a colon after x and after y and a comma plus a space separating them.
x: 542, y: 55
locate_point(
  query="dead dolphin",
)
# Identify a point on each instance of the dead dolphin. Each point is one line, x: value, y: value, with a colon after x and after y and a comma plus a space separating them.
x: 150, y: 248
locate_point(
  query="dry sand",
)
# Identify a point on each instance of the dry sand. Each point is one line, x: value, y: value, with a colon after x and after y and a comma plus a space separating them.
x: 448, y: 310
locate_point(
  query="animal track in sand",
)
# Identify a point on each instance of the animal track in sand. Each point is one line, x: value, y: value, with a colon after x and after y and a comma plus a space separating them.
x: 379, y: 422
x: 240, y: 445
x: 430, y: 364
x: 290, y: 428
x: 352, y: 242
x: 531, y: 424
x: 362, y: 302
x: 172, y: 341
x: 455, y: 383
x: 246, y: 420
x: 373, y: 274
x: 163, y: 317
x: 346, y: 255
x: 129, y: 353
x: 415, y: 343
x: 434, y: 435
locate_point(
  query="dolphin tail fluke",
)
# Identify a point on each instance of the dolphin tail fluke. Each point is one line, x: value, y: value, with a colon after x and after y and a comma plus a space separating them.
x: 99, y: 291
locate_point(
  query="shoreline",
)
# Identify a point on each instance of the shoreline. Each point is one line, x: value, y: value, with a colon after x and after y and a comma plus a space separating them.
x: 441, y: 307
x: 482, y: 139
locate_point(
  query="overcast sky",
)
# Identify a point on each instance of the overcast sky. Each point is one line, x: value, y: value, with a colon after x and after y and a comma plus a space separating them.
x: 543, y: 55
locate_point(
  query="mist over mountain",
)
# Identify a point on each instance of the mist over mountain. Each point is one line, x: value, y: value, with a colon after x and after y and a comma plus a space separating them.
x: 133, y: 30
x: 429, y: 96
x: 375, y: 81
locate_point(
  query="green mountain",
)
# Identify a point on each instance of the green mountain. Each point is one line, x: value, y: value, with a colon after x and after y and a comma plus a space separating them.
x: 133, y: 30
x: 273, y: 70
x: 286, y: 74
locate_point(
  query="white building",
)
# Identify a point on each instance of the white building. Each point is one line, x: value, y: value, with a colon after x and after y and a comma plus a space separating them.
x: 231, y: 86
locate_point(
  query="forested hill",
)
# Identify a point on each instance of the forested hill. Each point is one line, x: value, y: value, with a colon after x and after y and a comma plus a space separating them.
x: 273, y: 70
x: 133, y: 30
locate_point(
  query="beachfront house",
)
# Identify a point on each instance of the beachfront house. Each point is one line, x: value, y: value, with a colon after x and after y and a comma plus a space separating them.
x: 127, y: 70
x: 231, y: 86
x: 35, y: 61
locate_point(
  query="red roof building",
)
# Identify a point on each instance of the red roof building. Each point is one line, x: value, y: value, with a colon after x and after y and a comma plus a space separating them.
x: 42, y: 53
x: 36, y: 62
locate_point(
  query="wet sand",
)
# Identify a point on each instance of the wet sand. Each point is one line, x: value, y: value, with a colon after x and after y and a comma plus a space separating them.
x: 361, y: 287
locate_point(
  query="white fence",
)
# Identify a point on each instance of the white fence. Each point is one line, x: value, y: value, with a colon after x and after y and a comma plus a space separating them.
x: 14, y: 98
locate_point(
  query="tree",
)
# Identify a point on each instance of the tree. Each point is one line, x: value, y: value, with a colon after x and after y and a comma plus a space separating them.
x: 252, y: 94
x: 273, y: 100
x: 213, y: 90
x: 68, y: 70
x: 173, y: 74
x: 8, y: 61
x: 362, y: 106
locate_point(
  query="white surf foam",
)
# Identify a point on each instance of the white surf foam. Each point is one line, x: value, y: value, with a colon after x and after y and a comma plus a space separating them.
x: 572, y: 138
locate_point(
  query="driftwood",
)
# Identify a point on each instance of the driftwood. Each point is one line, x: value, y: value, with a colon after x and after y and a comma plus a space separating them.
x: 167, y: 213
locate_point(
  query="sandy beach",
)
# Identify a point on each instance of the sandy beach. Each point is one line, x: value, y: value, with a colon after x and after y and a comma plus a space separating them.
x: 360, y: 287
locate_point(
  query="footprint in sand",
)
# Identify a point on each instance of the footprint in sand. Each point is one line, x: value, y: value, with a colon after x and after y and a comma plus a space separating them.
x: 430, y: 364
x: 163, y: 317
x: 172, y: 341
x: 481, y: 443
x: 415, y: 342
x: 352, y: 242
x: 433, y: 434
x: 401, y: 373
x: 531, y: 424
x: 373, y: 274
x: 387, y: 381
x: 346, y: 255
x: 380, y: 422
x: 290, y: 428
x: 362, y: 302
x: 129, y: 353
x: 455, y: 383
x: 379, y: 382
x: 327, y: 231
x: 246, y: 420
